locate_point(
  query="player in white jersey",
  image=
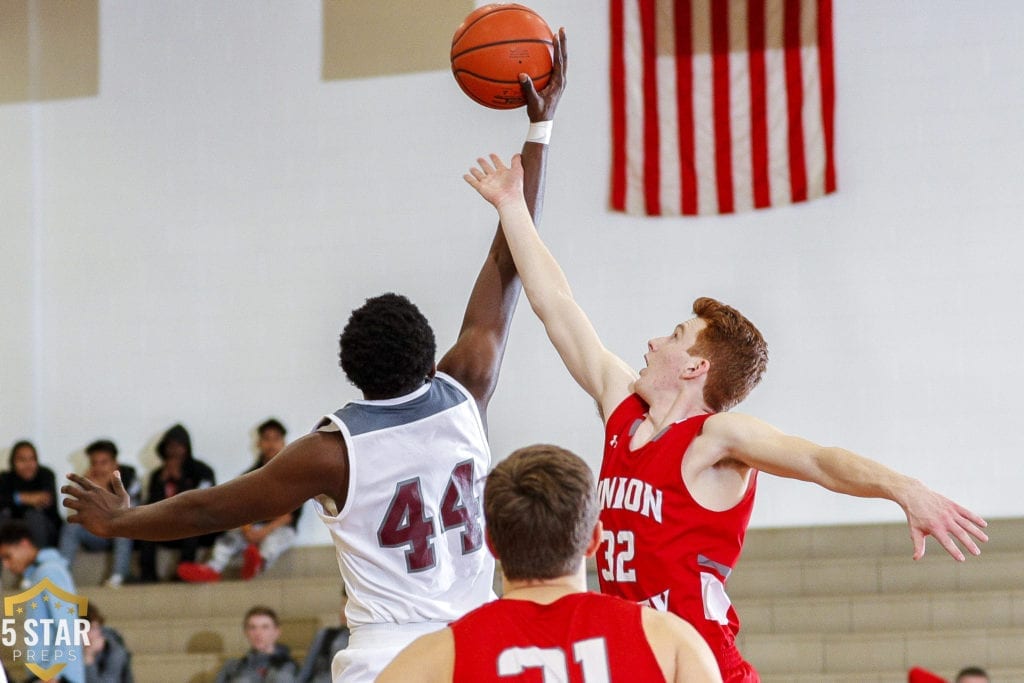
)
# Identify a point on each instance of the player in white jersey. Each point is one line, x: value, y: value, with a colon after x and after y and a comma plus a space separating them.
x: 411, y: 544
x: 409, y: 548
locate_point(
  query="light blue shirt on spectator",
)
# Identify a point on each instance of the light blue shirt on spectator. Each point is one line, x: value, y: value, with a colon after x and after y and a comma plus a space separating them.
x: 50, y: 565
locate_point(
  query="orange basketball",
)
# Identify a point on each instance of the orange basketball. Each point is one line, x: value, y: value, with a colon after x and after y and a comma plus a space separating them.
x: 493, y: 45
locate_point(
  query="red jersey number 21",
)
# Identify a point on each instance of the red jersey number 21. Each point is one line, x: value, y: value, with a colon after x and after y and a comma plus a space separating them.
x: 590, y: 654
x: 406, y: 522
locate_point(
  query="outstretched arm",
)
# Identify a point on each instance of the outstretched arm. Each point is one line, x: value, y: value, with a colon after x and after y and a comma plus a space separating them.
x: 475, y: 358
x: 598, y: 371
x: 759, y: 445
x: 316, y: 464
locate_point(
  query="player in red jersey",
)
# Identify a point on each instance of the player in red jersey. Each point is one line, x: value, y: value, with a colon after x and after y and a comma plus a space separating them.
x: 678, y: 479
x: 541, y: 513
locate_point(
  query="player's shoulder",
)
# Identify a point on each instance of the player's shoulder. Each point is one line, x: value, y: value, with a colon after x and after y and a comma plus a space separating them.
x: 678, y: 646
x: 665, y: 626
x: 731, y: 427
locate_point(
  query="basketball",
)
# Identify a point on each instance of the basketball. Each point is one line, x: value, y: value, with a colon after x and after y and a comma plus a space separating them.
x: 493, y: 45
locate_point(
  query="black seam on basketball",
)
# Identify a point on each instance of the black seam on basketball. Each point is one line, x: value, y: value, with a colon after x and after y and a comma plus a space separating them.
x: 492, y: 13
x: 495, y: 80
x: 502, y: 42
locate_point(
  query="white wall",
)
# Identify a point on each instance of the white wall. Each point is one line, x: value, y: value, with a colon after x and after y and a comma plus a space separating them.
x: 17, y: 253
x: 208, y: 221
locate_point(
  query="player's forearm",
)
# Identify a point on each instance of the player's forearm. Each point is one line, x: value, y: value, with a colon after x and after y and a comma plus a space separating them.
x: 535, y: 165
x: 496, y: 290
x: 190, y: 513
x: 543, y: 279
x: 846, y: 472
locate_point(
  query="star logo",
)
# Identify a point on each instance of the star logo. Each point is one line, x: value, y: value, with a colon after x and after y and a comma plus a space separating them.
x: 15, y: 604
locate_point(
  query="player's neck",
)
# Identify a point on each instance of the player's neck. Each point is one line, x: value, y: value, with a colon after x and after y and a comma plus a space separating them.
x: 666, y: 408
x: 544, y: 591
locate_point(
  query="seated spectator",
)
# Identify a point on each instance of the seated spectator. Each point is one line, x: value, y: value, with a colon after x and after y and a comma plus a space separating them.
x: 972, y: 674
x: 23, y: 557
x: 327, y: 643
x: 267, y: 660
x: 107, y: 659
x: 28, y: 491
x: 260, y: 544
x: 102, y: 465
x: 180, y: 472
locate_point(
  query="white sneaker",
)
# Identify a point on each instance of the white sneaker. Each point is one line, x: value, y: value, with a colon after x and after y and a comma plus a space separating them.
x: 115, y: 581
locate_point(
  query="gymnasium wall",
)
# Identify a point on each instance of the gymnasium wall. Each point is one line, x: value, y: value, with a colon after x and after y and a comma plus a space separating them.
x: 185, y: 244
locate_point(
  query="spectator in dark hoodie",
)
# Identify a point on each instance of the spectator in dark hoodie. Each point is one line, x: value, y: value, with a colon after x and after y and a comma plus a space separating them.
x: 180, y: 472
x: 267, y: 660
x: 28, y: 491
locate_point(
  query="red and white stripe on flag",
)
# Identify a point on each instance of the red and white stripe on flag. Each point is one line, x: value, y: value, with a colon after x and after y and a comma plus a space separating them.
x: 720, y: 106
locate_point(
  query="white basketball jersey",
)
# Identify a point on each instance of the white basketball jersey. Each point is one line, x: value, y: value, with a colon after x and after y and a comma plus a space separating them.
x: 410, y: 538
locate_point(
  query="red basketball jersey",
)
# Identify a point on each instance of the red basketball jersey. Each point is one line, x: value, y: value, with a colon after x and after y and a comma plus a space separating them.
x: 580, y: 638
x: 660, y: 547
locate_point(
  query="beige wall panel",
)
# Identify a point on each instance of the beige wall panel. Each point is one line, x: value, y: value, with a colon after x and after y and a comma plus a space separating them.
x: 49, y: 49
x: 364, y: 38
x: 14, y: 78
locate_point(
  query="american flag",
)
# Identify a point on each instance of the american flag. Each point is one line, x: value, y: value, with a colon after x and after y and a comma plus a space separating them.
x: 720, y: 106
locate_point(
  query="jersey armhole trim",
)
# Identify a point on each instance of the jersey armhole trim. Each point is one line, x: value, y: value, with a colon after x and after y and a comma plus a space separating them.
x: 334, y: 424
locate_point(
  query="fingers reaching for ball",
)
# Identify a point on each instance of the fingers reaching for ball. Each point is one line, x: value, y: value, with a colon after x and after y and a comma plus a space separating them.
x: 495, y: 181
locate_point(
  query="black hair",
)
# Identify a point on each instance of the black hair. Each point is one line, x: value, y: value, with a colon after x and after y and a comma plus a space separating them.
x: 14, y: 532
x: 272, y: 423
x: 18, y: 445
x: 102, y: 446
x: 387, y: 347
x: 178, y: 434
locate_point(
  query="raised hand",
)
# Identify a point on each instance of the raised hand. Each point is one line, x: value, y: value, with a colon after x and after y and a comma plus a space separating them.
x: 540, y: 106
x: 94, y: 506
x: 931, y: 514
x: 496, y: 182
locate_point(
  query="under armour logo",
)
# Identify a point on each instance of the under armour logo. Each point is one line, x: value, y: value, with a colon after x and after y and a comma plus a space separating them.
x: 615, y: 441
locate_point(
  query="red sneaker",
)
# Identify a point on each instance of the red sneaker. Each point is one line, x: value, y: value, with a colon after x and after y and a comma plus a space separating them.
x: 252, y: 561
x: 194, y: 572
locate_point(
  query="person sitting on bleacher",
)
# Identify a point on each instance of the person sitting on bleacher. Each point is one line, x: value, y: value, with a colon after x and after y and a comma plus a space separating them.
x: 28, y: 492
x: 267, y: 660
x: 102, y: 465
x: 328, y: 642
x: 107, y: 658
x: 180, y: 472
x: 260, y: 544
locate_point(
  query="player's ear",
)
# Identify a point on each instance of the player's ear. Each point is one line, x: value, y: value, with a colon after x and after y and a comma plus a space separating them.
x: 595, y: 540
x: 490, y: 543
x: 696, y: 367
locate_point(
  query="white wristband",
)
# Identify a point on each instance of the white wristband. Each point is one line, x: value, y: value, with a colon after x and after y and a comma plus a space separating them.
x: 540, y: 132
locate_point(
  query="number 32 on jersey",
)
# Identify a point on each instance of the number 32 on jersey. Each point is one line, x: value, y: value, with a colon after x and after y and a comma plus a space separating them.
x: 618, y: 554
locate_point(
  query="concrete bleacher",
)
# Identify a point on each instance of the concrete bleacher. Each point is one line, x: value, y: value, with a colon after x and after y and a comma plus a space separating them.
x: 847, y: 603
x: 838, y: 604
